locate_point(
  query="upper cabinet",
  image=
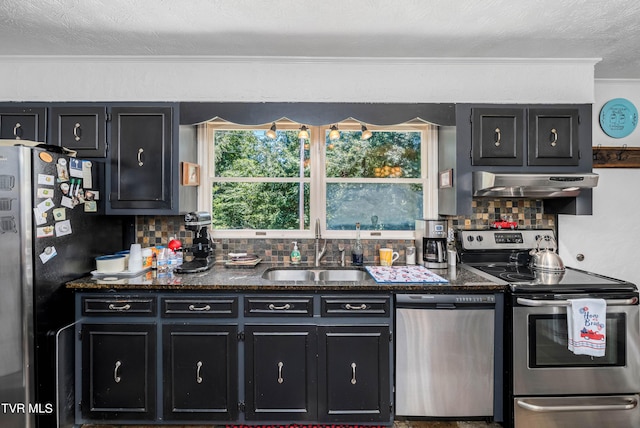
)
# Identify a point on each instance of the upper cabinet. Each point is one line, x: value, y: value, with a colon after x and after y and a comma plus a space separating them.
x: 143, y: 161
x: 82, y: 129
x: 547, y: 135
x: 23, y: 123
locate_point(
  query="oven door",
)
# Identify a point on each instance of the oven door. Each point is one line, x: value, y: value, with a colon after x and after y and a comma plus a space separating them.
x: 543, y: 364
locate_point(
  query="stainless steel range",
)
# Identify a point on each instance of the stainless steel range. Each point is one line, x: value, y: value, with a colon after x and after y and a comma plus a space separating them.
x: 550, y: 385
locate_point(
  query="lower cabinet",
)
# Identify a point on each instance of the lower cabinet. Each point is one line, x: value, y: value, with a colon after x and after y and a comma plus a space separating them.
x: 155, y: 358
x: 200, y: 376
x: 119, y: 362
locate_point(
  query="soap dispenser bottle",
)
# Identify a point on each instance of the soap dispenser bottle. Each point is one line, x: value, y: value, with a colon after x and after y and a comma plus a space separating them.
x: 295, y: 254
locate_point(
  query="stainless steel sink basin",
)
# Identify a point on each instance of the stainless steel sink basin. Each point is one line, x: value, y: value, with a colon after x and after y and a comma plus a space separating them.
x: 343, y: 275
x: 289, y: 275
x: 315, y: 275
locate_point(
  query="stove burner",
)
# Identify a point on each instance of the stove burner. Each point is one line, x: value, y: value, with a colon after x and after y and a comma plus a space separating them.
x: 517, y: 276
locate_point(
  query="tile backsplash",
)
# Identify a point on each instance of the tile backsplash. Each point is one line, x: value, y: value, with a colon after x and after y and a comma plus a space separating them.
x: 158, y: 230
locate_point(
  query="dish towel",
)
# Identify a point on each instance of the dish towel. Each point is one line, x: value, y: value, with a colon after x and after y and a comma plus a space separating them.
x: 586, y: 320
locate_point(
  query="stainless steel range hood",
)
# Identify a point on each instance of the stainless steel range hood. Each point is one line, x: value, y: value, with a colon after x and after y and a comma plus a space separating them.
x: 514, y: 185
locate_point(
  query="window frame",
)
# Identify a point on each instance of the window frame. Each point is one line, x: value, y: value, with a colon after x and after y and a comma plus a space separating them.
x: 318, y: 180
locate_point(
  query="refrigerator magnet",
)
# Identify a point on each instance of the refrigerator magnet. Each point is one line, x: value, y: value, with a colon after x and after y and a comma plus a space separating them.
x: 39, y: 217
x: 65, y: 188
x: 45, y: 179
x: 45, y: 205
x: 67, y: 202
x: 43, y: 192
x: 63, y: 172
x: 59, y: 214
x: 44, y: 232
x: 87, y: 182
x: 63, y: 228
x: 90, y: 206
x: 48, y: 254
x: 75, y: 168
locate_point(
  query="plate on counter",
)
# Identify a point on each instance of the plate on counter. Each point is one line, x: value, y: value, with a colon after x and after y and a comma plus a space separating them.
x: 124, y: 273
x: 243, y: 262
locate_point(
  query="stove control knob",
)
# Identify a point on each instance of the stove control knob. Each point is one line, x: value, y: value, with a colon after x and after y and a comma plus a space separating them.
x: 479, y: 238
x: 470, y: 238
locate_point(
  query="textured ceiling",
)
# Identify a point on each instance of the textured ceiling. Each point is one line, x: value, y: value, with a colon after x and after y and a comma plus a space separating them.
x: 330, y: 28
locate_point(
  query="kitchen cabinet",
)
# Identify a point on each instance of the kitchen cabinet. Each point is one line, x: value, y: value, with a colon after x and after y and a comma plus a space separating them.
x: 280, y: 372
x: 82, y: 129
x: 119, y: 378
x: 212, y: 358
x: 143, y: 161
x: 550, y: 136
x: 354, y: 373
x: 200, y: 376
x: 23, y: 123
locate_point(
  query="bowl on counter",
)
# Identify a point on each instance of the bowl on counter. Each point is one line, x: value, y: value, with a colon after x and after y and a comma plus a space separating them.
x: 110, y: 264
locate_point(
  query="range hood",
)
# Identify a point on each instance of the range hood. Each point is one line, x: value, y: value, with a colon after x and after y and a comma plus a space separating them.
x: 535, y: 186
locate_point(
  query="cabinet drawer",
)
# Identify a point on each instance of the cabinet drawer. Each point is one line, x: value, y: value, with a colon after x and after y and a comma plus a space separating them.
x: 356, y: 306
x: 114, y: 306
x: 299, y: 306
x: 204, y: 308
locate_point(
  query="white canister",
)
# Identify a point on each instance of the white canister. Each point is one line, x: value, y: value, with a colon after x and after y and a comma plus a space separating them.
x: 452, y: 257
x: 411, y: 255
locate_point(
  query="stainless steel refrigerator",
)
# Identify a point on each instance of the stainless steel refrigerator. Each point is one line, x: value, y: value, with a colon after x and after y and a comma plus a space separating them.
x: 51, y: 229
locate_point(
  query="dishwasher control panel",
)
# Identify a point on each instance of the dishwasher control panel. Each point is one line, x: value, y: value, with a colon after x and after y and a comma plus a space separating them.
x: 460, y: 299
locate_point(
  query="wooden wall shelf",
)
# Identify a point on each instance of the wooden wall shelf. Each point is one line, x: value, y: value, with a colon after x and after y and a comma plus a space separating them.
x: 616, y: 157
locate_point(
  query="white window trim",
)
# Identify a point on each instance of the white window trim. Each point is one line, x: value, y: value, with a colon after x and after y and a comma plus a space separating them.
x: 429, y: 168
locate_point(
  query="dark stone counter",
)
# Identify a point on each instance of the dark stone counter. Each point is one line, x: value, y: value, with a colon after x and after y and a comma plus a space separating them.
x: 221, y: 278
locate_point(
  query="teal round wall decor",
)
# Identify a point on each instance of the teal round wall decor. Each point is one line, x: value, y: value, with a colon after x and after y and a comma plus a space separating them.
x: 618, y: 117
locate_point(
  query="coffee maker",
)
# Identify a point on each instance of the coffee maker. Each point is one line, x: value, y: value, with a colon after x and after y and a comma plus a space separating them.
x: 431, y: 243
x: 202, y: 248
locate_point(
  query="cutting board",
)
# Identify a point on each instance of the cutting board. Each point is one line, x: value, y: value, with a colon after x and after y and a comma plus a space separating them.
x: 395, y: 274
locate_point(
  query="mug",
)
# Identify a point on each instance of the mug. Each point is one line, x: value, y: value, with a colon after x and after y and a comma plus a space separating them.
x: 388, y: 256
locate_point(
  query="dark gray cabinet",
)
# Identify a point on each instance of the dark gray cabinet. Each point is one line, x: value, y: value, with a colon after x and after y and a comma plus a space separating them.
x: 143, y: 162
x: 82, y: 129
x: 280, y: 372
x: 354, y: 373
x: 119, y: 371
x: 23, y: 123
x: 200, y: 375
x: 548, y: 136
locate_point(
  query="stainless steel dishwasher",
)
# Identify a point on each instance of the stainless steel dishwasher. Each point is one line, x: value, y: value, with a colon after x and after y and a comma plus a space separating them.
x: 445, y: 355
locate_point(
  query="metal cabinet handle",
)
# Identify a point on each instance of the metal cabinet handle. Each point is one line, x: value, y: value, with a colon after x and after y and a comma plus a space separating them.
x: 355, y: 308
x: 279, y: 308
x: 554, y: 142
x: 198, y: 367
x: 17, y: 128
x: 199, y: 308
x: 498, y: 137
x: 353, y: 374
x: 140, y: 152
x: 280, y: 365
x: 77, y: 131
x: 119, y: 308
x: 116, y: 375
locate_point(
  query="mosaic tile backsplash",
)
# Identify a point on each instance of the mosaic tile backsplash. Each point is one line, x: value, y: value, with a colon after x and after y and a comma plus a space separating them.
x: 159, y: 230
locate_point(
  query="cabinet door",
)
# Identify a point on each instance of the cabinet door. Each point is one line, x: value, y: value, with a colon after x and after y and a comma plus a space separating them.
x: 22, y: 123
x: 553, y: 137
x: 80, y: 128
x: 118, y: 376
x: 200, y: 372
x: 354, y: 373
x: 497, y: 136
x: 280, y: 372
x: 141, y: 158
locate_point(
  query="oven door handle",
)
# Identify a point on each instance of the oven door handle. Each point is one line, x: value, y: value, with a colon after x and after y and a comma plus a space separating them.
x: 538, y: 303
x: 627, y: 403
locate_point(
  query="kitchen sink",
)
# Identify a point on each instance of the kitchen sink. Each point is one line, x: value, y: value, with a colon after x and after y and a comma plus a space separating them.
x: 315, y: 275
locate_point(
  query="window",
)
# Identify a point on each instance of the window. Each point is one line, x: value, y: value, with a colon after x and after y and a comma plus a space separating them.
x: 268, y: 187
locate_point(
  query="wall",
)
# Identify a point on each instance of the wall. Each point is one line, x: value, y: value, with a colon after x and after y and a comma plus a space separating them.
x: 608, y: 239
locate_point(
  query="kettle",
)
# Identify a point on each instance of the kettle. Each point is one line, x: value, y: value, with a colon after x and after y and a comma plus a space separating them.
x: 546, y: 259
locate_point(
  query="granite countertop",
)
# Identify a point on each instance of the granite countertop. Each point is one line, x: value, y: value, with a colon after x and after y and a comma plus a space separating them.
x: 222, y: 278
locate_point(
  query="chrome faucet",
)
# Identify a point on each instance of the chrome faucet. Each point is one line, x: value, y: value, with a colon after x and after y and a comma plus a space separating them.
x: 319, y: 253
